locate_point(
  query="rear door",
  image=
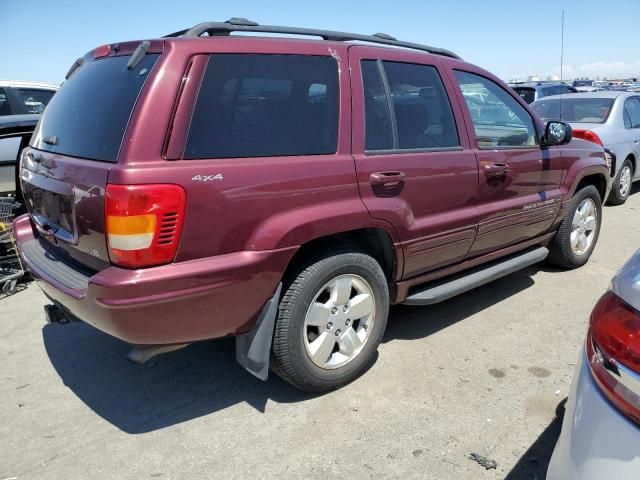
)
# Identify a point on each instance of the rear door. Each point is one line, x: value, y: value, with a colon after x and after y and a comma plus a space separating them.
x: 77, y: 141
x: 519, y: 194
x: 414, y: 166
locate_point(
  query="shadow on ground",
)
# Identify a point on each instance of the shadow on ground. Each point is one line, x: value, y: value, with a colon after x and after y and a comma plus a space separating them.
x: 204, y: 378
x: 534, y: 463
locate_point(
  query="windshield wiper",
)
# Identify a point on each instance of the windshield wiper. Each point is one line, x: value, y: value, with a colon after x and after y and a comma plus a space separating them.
x: 138, y: 54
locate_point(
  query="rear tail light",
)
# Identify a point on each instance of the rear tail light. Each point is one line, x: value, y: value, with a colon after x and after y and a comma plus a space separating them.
x: 144, y: 223
x: 613, y: 351
x: 588, y: 135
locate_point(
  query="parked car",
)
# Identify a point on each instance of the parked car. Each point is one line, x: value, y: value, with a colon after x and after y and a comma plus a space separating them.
x: 15, y: 132
x: 23, y: 98
x: 601, y: 426
x: 583, y: 83
x: 610, y: 119
x: 286, y: 191
x: 634, y: 88
x: 532, y: 91
x: 590, y: 89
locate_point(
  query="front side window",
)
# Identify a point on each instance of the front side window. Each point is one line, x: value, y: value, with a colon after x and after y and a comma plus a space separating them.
x: 33, y: 100
x: 498, y: 119
x: 255, y: 105
x: 632, y: 111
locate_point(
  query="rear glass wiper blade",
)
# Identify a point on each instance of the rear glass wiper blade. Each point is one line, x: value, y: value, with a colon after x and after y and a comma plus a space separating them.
x: 138, y: 54
x: 76, y: 65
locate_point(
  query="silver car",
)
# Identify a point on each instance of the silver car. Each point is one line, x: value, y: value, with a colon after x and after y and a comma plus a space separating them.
x: 611, y: 119
x: 600, y: 437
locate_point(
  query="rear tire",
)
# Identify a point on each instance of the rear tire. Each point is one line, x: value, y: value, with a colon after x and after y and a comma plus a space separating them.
x: 621, y: 184
x: 330, y: 322
x: 578, y: 233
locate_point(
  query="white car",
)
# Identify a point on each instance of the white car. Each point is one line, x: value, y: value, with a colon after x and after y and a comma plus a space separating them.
x: 610, y: 119
x: 23, y: 98
x: 600, y: 437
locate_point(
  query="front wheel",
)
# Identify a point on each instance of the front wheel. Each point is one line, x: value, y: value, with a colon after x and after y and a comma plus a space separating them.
x: 330, y: 322
x: 578, y: 233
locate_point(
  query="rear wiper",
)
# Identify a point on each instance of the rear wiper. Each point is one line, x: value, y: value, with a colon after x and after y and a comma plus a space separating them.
x: 76, y: 65
x: 138, y: 54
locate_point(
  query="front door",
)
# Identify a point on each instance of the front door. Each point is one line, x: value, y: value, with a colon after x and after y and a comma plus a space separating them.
x: 414, y: 164
x: 519, y: 192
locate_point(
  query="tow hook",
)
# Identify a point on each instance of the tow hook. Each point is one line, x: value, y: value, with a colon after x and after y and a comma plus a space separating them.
x: 54, y: 315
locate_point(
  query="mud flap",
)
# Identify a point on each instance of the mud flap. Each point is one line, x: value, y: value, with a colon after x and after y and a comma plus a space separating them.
x: 253, y: 348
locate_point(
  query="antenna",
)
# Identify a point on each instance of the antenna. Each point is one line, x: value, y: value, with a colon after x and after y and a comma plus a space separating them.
x: 562, y: 48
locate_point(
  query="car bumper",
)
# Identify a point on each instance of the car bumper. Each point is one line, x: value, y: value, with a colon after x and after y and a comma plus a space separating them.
x: 177, y: 303
x: 596, y: 441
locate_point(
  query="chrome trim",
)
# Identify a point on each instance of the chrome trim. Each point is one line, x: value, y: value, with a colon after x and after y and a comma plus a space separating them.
x: 624, y: 376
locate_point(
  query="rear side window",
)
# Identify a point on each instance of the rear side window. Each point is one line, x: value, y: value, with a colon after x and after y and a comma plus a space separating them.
x: 579, y: 110
x: 526, y: 93
x: 377, y: 123
x: 417, y: 104
x: 254, y: 105
x: 89, y: 114
x: 632, y: 112
x: 5, y: 109
x: 33, y: 100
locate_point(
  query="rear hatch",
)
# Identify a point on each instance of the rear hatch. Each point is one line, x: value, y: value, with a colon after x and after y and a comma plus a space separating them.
x: 64, y: 172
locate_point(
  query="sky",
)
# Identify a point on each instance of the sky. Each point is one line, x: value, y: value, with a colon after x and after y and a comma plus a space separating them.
x: 40, y: 39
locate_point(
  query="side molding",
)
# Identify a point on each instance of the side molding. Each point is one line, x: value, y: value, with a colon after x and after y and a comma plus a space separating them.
x: 253, y: 348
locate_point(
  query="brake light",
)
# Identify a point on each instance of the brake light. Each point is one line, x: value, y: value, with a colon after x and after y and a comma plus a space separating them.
x: 102, y: 51
x: 144, y: 223
x: 613, y: 351
x: 588, y: 135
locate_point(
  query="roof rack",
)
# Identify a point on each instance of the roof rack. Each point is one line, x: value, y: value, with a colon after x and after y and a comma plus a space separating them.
x: 243, y: 25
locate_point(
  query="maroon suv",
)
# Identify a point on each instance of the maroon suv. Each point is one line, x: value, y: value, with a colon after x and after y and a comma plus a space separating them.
x: 286, y: 191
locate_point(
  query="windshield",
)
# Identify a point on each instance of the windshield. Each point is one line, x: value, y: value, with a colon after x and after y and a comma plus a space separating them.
x: 88, y: 116
x: 576, y: 110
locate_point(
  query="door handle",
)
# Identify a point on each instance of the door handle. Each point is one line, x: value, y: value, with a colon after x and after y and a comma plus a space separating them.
x: 494, y: 170
x: 387, y: 179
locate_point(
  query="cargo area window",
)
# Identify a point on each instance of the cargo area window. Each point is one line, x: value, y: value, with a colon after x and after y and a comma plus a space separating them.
x: 88, y: 116
x: 406, y: 108
x: 262, y: 105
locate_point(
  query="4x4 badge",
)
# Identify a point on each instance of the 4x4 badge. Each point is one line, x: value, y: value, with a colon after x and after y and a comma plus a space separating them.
x: 207, y: 178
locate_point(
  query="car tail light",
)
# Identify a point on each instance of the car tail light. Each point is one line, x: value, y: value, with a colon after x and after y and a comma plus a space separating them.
x: 613, y: 351
x: 102, y: 51
x: 588, y: 135
x: 144, y: 223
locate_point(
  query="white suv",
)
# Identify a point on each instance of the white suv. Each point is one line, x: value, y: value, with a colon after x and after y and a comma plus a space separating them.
x: 18, y: 98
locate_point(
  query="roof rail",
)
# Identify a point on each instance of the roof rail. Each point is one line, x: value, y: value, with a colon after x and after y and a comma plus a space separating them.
x: 243, y: 25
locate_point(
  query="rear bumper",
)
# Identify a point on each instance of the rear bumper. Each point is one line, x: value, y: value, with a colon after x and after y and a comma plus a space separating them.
x: 176, y: 303
x: 596, y: 441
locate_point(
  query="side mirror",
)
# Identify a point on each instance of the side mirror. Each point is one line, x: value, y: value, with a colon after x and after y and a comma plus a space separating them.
x: 557, y: 133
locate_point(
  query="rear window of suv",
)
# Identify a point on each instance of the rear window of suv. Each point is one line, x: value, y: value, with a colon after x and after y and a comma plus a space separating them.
x: 89, y: 114
x: 262, y: 105
x: 578, y: 110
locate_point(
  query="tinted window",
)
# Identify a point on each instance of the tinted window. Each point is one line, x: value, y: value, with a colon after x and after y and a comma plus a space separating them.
x: 378, y: 129
x: 33, y: 100
x: 632, y: 107
x: 579, y: 110
x: 90, y: 112
x: 498, y: 119
x: 5, y: 109
x: 422, y: 111
x: 253, y: 105
x: 526, y: 93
